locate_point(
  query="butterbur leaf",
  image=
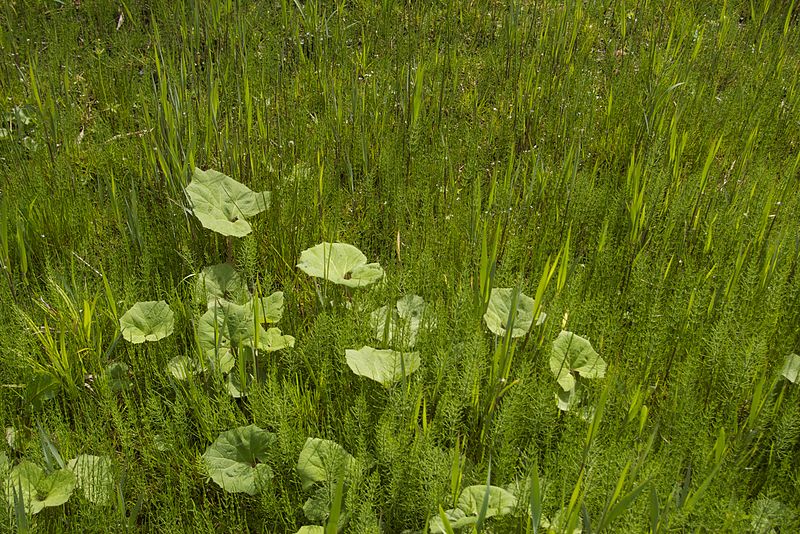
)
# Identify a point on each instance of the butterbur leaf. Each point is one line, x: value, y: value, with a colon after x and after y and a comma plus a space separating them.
x: 318, y: 506
x: 147, y: 321
x: 791, y: 368
x: 382, y: 365
x: 235, y: 460
x: 339, y: 263
x: 567, y: 399
x: 94, y: 478
x: 272, y: 307
x: 311, y: 529
x: 573, y: 354
x: 221, y: 282
x: 233, y: 383
x: 222, y: 204
x: 497, y: 313
x: 501, y: 501
x: 272, y: 339
x: 457, y: 519
x: 183, y: 367
x: 404, y: 321
x: 225, y: 324
x: 322, y: 460
x: 39, y: 491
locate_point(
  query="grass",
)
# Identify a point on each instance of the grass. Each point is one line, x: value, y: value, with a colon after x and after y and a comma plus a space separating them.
x: 633, y: 165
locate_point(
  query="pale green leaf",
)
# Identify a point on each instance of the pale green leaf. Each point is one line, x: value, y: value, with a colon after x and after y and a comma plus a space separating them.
x: 272, y: 339
x: 457, y: 519
x: 272, y: 307
x: 94, y: 477
x: 235, y: 460
x: 501, y: 501
x: 497, y: 313
x: 318, y: 506
x: 222, y: 204
x: 221, y: 282
x: 404, y: 320
x: 311, y: 529
x: 39, y: 490
x: 791, y: 368
x: 573, y: 354
x: 322, y: 460
x: 559, y: 524
x: 183, y: 367
x: 226, y: 324
x: 567, y: 399
x: 339, y: 263
x: 382, y: 365
x: 147, y: 321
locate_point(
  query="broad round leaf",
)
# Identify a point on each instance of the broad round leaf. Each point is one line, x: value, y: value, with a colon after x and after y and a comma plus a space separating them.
x: 94, y: 478
x: 339, y: 263
x: 183, y: 367
x: 322, y: 460
x: 791, y: 368
x: 574, y: 354
x: 501, y: 501
x: 221, y: 282
x: 311, y: 529
x: 566, y: 400
x: 38, y: 490
x: 272, y: 307
x: 234, y: 460
x: 272, y: 339
x: 225, y: 324
x: 382, y: 365
x: 222, y: 204
x: 400, y: 324
x: 147, y: 321
x: 498, y: 313
x: 318, y: 506
x: 455, y: 516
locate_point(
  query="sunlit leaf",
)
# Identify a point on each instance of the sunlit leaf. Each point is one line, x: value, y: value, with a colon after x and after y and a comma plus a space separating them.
x: 222, y: 204
x: 339, y: 263
x: 94, y: 477
x: 497, y: 313
x: 39, y: 491
x: 573, y: 354
x: 322, y: 460
x: 791, y: 368
x: 183, y: 367
x: 147, y: 321
x: 221, y: 282
x: 235, y: 460
x: 501, y: 502
x: 404, y: 321
x: 382, y: 365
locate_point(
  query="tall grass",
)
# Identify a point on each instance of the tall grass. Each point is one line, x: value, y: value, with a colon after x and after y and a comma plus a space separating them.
x: 632, y: 165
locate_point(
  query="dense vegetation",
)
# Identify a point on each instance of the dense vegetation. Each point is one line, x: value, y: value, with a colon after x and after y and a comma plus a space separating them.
x: 632, y: 166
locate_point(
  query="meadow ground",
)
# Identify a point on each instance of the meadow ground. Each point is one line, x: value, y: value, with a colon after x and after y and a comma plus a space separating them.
x: 634, y: 166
